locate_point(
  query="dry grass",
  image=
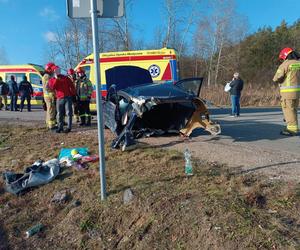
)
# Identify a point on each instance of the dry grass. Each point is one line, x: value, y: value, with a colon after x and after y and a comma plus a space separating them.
x: 214, y: 209
x: 252, y: 95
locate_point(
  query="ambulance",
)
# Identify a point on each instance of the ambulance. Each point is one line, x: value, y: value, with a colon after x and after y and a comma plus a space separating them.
x: 34, y: 76
x: 162, y: 65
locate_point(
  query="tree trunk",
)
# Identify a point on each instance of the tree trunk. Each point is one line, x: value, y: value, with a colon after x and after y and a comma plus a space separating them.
x: 218, y: 61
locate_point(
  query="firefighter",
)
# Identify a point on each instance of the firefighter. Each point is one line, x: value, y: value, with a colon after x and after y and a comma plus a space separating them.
x: 84, y: 89
x: 288, y: 77
x: 72, y: 75
x: 49, y: 97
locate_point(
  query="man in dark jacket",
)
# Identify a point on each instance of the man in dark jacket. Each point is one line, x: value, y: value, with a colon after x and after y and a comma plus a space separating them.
x: 13, y: 93
x: 26, y: 91
x: 3, y: 94
x: 236, y: 85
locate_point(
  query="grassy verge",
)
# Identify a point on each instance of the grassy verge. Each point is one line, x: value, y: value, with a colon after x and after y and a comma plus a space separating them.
x: 213, y: 209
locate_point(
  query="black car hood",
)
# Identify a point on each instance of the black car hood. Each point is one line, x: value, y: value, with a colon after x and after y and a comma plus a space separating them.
x: 167, y: 91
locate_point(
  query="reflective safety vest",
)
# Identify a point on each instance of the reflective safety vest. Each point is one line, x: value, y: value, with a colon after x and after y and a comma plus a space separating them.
x: 84, y: 89
x: 288, y: 76
x: 46, y: 90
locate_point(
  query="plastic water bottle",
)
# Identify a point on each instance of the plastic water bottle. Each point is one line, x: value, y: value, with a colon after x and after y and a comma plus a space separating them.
x: 188, y: 163
x: 35, y: 229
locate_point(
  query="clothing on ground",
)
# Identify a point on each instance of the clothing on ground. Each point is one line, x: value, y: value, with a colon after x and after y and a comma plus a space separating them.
x: 38, y: 174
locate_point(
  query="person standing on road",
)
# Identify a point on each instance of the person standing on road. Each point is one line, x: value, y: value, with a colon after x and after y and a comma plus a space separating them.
x: 65, y: 91
x: 288, y: 77
x: 13, y: 93
x: 72, y: 76
x: 4, y: 89
x: 49, y: 97
x: 84, y: 90
x: 236, y: 87
x: 26, y: 92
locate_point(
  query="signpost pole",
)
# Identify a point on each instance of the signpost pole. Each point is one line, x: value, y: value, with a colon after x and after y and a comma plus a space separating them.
x: 98, y: 98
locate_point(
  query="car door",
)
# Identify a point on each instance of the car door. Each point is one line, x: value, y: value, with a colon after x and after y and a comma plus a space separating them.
x: 191, y: 85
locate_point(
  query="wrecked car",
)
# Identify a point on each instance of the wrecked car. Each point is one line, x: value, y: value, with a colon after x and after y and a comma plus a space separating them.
x: 136, y: 107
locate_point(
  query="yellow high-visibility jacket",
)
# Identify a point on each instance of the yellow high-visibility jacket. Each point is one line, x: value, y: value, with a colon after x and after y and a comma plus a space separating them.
x: 288, y: 77
x: 46, y: 90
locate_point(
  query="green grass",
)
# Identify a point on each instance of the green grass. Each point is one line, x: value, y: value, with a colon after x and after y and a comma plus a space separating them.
x: 215, y: 208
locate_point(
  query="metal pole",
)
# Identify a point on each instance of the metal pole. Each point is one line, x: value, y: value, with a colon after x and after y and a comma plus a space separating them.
x: 98, y: 99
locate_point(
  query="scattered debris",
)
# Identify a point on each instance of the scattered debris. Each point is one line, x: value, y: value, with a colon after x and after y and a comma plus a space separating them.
x: 61, y: 197
x: 33, y: 230
x: 128, y: 196
x: 14, y: 163
x: 76, y: 203
x: 39, y: 173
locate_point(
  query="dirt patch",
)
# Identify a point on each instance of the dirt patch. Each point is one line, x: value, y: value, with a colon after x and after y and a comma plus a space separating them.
x: 216, y: 208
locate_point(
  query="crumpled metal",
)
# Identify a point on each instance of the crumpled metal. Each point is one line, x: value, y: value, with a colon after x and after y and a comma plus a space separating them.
x: 39, y: 173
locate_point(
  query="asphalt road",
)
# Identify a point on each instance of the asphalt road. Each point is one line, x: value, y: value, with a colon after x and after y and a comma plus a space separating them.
x: 257, y: 126
x: 251, y: 141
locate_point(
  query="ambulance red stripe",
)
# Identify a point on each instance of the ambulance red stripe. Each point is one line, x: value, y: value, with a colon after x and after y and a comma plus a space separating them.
x: 131, y: 58
x: 18, y: 70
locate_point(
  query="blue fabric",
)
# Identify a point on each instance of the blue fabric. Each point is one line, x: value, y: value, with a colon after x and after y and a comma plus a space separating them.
x: 64, y: 108
x: 13, y: 102
x: 235, y: 104
x: 66, y: 152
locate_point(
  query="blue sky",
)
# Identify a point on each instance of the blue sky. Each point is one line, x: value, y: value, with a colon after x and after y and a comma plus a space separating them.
x: 27, y: 24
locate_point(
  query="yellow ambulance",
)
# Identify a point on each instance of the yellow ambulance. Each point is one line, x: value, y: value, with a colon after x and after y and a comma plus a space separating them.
x: 34, y: 75
x: 162, y: 65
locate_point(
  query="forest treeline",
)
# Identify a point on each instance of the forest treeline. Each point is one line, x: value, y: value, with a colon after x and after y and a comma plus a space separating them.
x: 255, y: 57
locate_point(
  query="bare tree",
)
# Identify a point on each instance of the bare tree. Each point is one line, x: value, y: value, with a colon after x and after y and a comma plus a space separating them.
x: 69, y: 44
x: 180, y: 16
x: 221, y: 29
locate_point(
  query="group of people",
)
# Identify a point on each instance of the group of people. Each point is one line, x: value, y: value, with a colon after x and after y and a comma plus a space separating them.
x: 65, y: 94
x: 288, y: 78
x: 13, y: 89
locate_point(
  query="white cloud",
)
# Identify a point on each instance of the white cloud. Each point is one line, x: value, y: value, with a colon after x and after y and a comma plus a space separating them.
x: 48, y: 13
x: 50, y: 36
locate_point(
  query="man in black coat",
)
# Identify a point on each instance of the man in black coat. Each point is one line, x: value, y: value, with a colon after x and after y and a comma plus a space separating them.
x: 13, y: 93
x: 25, y: 90
x: 236, y: 85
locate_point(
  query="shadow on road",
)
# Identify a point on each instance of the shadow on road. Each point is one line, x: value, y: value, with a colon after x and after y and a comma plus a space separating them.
x: 245, y: 130
x: 254, y: 130
x: 226, y: 111
x: 267, y: 166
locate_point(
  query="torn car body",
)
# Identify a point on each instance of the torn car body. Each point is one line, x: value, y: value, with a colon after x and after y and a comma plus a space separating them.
x: 137, y: 107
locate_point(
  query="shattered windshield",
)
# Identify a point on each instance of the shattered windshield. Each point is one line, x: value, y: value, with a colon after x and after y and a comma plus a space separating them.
x: 158, y: 90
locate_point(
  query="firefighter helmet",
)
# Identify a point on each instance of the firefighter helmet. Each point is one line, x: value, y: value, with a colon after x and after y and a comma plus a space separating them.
x: 80, y: 72
x: 49, y: 67
x: 284, y: 53
x: 71, y: 71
